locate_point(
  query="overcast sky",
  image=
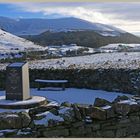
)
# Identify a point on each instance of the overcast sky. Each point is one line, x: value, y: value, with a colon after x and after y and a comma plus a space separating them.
x: 123, y: 15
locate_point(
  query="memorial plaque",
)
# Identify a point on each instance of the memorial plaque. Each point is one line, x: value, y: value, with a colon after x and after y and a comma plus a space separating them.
x: 17, y: 81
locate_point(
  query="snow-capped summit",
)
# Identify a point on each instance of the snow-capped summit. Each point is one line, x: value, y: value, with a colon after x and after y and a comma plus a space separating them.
x: 36, y: 26
x: 12, y: 42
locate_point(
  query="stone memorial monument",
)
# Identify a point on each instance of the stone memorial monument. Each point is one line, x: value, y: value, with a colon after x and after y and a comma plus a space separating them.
x: 17, y: 81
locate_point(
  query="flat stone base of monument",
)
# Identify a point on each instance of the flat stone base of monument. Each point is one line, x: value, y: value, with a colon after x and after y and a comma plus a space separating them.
x: 34, y: 101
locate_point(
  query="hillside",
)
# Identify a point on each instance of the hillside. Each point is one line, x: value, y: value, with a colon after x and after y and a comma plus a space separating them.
x: 12, y: 42
x: 66, y: 31
x: 37, y: 26
x: 82, y: 38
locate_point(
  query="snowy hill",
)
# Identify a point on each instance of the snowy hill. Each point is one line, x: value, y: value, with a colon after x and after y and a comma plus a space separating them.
x: 37, y: 26
x: 120, y: 47
x: 11, y: 42
x: 130, y: 60
x: 86, y: 38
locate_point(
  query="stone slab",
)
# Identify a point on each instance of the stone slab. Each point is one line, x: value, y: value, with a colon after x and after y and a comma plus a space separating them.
x: 34, y: 101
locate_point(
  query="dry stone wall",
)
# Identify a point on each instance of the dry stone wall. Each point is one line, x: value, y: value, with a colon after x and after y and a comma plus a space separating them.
x: 120, y: 118
x: 121, y: 80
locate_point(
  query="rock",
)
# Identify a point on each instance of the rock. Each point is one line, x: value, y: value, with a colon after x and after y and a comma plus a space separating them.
x: 41, y: 109
x: 121, y: 133
x: 110, y: 113
x: 49, y: 120
x: 78, y: 124
x: 9, y: 133
x: 88, y: 110
x: 134, y: 107
x: 54, y: 111
x: 134, y: 129
x: 39, y: 117
x: 10, y: 121
x: 80, y: 132
x: 122, y: 108
x: 2, y: 135
x: 136, y: 97
x: 98, y: 113
x: 120, y: 98
x: 101, y: 102
x: 56, y: 133
x: 88, y: 131
x: 83, y: 108
x: 124, y: 121
x: 95, y: 127
x: 108, y: 134
x: 77, y: 113
x: 66, y: 104
x: 26, y: 133
x: 26, y: 119
x: 134, y: 118
x: 67, y: 114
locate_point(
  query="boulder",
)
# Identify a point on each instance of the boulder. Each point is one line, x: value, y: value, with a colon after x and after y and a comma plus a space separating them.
x: 98, y: 113
x: 41, y: 109
x: 101, y: 102
x: 8, y: 133
x: 66, y: 104
x: 83, y: 108
x: 110, y: 113
x: 122, y: 108
x: 48, y: 119
x: 10, y: 121
x: 89, y: 110
x: 120, y: 98
x: 25, y: 118
x: 54, y: 111
x: 2, y: 135
x: 134, y: 107
x: 77, y: 113
x: 26, y: 133
x: 56, y: 133
x: 67, y: 114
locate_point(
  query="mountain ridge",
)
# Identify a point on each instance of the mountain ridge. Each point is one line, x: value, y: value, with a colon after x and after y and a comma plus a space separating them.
x: 66, y: 31
x: 82, y: 38
x: 36, y: 26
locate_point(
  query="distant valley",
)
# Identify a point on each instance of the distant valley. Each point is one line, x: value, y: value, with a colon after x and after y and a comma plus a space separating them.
x: 66, y: 31
x: 54, y: 38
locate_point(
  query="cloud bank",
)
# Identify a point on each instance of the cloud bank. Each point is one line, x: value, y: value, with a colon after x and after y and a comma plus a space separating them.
x: 123, y: 15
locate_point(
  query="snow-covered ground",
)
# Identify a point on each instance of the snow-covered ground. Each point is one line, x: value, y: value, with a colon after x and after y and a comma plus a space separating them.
x: 8, y: 41
x: 106, y: 60
x: 120, y: 47
x: 73, y: 95
x: 65, y: 49
x: 130, y: 60
x: 117, y: 45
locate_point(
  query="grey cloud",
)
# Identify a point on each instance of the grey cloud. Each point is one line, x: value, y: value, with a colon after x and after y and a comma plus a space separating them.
x: 121, y: 14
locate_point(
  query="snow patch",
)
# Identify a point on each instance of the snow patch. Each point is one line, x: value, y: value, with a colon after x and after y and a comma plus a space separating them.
x: 48, y: 116
x: 130, y: 102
